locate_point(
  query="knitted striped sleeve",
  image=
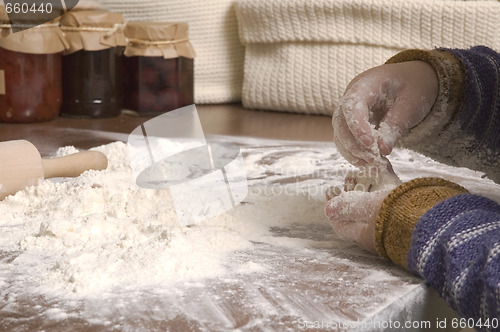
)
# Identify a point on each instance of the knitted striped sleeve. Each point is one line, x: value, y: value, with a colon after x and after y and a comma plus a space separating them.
x: 451, y: 238
x: 462, y: 128
x: 455, y: 247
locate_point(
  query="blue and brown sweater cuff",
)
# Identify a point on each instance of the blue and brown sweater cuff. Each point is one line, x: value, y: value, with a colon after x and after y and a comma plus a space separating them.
x: 402, y: 209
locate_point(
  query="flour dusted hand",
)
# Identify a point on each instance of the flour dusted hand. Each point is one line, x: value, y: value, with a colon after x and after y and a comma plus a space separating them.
x: 371, y: 179
x: 379, y: 107
x: 353, y: 211
x: 352, y: 215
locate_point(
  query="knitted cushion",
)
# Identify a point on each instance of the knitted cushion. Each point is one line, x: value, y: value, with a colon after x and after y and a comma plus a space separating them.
x: 213, y: 32
x: 301, y: 54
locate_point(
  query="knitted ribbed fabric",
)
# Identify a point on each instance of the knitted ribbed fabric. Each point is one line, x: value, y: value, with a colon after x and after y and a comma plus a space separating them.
x: 401, y: 210
x: 213, y: 32
x: 462, y: 128
x: 301, y: 54
x: 456, y: 249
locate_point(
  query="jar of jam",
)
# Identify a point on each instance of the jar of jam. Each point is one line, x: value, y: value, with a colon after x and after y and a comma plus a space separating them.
x: 30, y: 71
x: 157, y: 68
x: 92, y: 64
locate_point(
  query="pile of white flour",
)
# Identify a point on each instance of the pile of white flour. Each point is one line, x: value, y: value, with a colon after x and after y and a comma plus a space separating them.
x: 99, y: 231
x: 100, y: 251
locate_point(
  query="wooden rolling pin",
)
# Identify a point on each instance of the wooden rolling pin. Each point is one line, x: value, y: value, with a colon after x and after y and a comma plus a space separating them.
x: 21, y: 165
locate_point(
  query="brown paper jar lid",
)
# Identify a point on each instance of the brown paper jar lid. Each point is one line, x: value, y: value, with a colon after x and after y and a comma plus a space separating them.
x: 38, y: 39
x: 169, y: 40
x: 92, y: 30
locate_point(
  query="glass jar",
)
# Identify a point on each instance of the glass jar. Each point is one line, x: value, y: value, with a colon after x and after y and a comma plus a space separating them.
x: 92, y: 84
x: 32, y: 86
x: 154, y: 85
x: 158, y: 74
x: 92, y: 65
x: 30, y: 71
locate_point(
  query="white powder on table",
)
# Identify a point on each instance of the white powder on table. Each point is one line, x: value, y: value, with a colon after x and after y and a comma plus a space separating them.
x: 101, y: 230
x: 100, y: 236
x: 98, y: 231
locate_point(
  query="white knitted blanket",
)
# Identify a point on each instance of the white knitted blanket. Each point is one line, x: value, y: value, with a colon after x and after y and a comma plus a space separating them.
x: 301, y: 54
x: 213, y: 31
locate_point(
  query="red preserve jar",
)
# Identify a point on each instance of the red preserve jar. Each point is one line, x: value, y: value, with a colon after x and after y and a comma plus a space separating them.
x: 92, y: 64
x: 30, y: 72
x: 157, y: 68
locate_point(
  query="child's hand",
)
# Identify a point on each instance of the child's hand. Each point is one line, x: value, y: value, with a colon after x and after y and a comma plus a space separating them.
x: 379, y: 107
x: 353, y: 211
x: 352, y: 215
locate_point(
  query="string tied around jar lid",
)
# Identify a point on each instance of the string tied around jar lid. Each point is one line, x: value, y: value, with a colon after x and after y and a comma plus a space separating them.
x: 28, y: 26
x: 109, y: 30
x: 93, y: 30
x: 46, y: 38
x: 156, y: 42
x: 165, y: 39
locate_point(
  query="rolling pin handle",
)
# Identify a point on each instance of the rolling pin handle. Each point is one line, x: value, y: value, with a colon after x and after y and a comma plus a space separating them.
x: 75, y: 164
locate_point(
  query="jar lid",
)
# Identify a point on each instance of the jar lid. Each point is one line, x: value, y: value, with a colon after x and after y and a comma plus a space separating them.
x: 93, y: 30
x: 46, y: 38
x: 170, y: 40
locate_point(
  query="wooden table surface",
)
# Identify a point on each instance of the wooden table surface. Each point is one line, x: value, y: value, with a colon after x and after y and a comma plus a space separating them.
x: 226, y: 119
x: 233, y: 120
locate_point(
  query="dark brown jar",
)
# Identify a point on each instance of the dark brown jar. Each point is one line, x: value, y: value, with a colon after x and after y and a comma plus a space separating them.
x: 157, y: 68
x: 91, y: 84
x: 92, y: 66
x: 30, y: 72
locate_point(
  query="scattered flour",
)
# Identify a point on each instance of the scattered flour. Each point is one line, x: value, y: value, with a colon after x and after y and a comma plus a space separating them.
x: 98, y: 250
x: 98, y: 231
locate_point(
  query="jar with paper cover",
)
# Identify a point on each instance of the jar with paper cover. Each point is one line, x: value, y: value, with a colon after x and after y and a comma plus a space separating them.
x: 157, y: 68
x: 91, y: 65
x: 30, y: 71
